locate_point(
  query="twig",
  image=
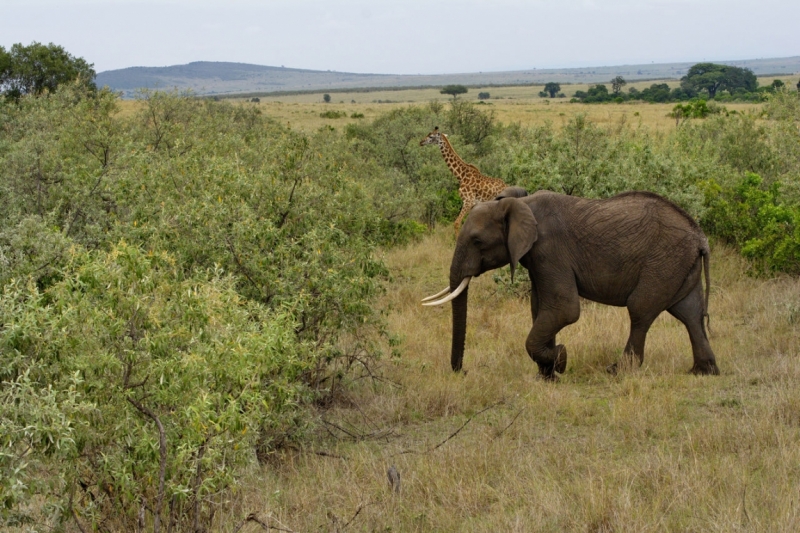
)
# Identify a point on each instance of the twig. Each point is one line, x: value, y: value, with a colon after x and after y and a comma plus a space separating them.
x: 162, y: 448
x: 360, y: 506
x: 380, y: 433
x: 356, y: 437
x: 252, y: 517
x: 510, y: 423
x: 320, y: 453
x: 453, y: 434
x: 331, y: 455
x: 242, y: 269
x: 72, y: 510
x: 196, y: 485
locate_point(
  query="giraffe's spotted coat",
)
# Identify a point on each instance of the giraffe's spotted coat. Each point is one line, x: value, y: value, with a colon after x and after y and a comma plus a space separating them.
x: 473, y: 187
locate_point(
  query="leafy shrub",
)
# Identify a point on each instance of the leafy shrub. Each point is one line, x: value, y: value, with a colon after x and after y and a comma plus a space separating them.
x: 583, y: 159
x: 333, y: 114
x: 696, y: 108
x: 470, y: 123
x: 192, y: 241
x: 136, y: 385
x: 754, y: 218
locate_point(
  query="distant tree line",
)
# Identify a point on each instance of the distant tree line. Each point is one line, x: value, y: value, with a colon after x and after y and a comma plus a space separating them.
x: 707, y: 81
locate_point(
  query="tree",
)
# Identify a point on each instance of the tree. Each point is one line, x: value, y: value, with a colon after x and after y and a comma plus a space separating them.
x: 37, y: 68
x: 740, y: 78
x: 453, y: 90
x: 617, y: 83
x: 483, y: 96
x: 657, y: 92
x: 552, y: 88
x: 326, y: 98
x: 711, y: 77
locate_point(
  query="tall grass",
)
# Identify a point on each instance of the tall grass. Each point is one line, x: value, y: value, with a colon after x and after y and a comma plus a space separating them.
x: 652, y: 449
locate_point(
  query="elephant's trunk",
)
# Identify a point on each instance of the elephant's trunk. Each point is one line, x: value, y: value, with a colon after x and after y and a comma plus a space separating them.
x: 459, y: 330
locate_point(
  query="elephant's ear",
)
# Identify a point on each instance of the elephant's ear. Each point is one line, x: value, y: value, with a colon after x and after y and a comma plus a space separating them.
x: 521, y: 230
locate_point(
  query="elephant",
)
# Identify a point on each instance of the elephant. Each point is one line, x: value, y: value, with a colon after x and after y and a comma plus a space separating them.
x: 512, y: 192
x: 636, y: 250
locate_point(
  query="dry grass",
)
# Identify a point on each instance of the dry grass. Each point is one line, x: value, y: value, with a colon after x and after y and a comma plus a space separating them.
x: 510, y: 104
x: 652, y: 449
x: 513, y: 104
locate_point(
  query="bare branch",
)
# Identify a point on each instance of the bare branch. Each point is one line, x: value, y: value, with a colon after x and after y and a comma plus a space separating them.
x: 196, y: 485
x: 510, y: 423
x: 453, y: 434
x: 72, y: 510
x: 360, y: 506
x: 162, y: 448
x: 252, y: 517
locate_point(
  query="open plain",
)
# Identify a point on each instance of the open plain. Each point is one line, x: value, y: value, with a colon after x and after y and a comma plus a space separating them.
x: 510, y: 104
x: 497, y: 449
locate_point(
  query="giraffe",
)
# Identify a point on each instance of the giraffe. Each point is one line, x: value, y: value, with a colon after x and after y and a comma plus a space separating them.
x: 473, y: 187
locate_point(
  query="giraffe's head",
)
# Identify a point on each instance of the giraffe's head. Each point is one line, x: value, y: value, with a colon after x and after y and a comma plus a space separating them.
x: 433, y: 137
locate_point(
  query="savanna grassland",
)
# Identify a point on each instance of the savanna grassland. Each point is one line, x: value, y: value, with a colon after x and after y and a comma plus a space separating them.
x: 210, y: 320
x: 510, y: 104
x: 497, y: 449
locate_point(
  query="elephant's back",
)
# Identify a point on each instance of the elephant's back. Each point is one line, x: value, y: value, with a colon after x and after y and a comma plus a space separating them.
x: 646, y: 200
x: 614, y: 244
x: 636, y: 210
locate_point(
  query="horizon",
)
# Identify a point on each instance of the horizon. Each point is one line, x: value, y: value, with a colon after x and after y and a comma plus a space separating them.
x: 721, y: 61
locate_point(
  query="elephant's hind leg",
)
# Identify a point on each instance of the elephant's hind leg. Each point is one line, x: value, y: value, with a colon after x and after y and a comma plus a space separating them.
x: 690, y: 312
x: 640, y: 325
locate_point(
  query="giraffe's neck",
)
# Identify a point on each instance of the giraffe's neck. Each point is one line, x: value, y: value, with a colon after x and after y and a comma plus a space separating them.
x: 456, y: 165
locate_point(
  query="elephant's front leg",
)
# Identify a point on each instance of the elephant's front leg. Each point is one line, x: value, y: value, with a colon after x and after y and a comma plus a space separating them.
x: 541, y: 342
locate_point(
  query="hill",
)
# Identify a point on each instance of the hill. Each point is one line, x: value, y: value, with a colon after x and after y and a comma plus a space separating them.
x: 223, y: 78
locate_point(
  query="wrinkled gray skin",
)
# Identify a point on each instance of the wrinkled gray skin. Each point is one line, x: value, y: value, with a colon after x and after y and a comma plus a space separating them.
x: 512, y: 192
x: 636, y: 250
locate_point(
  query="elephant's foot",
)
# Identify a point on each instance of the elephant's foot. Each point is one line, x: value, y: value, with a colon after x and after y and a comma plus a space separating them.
x: 548, y: 370
x: 548, y: 376
x: 708, y: 368
x: 560, y: 364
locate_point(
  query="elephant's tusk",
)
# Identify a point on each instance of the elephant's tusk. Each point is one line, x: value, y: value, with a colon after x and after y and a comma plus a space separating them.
x: 438, y: 294
x: 452, y: 295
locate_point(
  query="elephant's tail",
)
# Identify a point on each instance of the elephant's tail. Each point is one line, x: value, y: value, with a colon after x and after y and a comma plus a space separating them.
x: 706, y: 254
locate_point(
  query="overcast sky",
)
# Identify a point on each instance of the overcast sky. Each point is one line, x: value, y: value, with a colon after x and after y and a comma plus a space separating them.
x: 406, y: 37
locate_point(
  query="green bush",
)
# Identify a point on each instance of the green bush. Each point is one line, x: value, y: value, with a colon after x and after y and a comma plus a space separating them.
x: 695, y: 108
x: 583, y: 159
x: 333, y: 114
x: 754, y: 218
x: 195, y: 252
x: 132, y: 382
